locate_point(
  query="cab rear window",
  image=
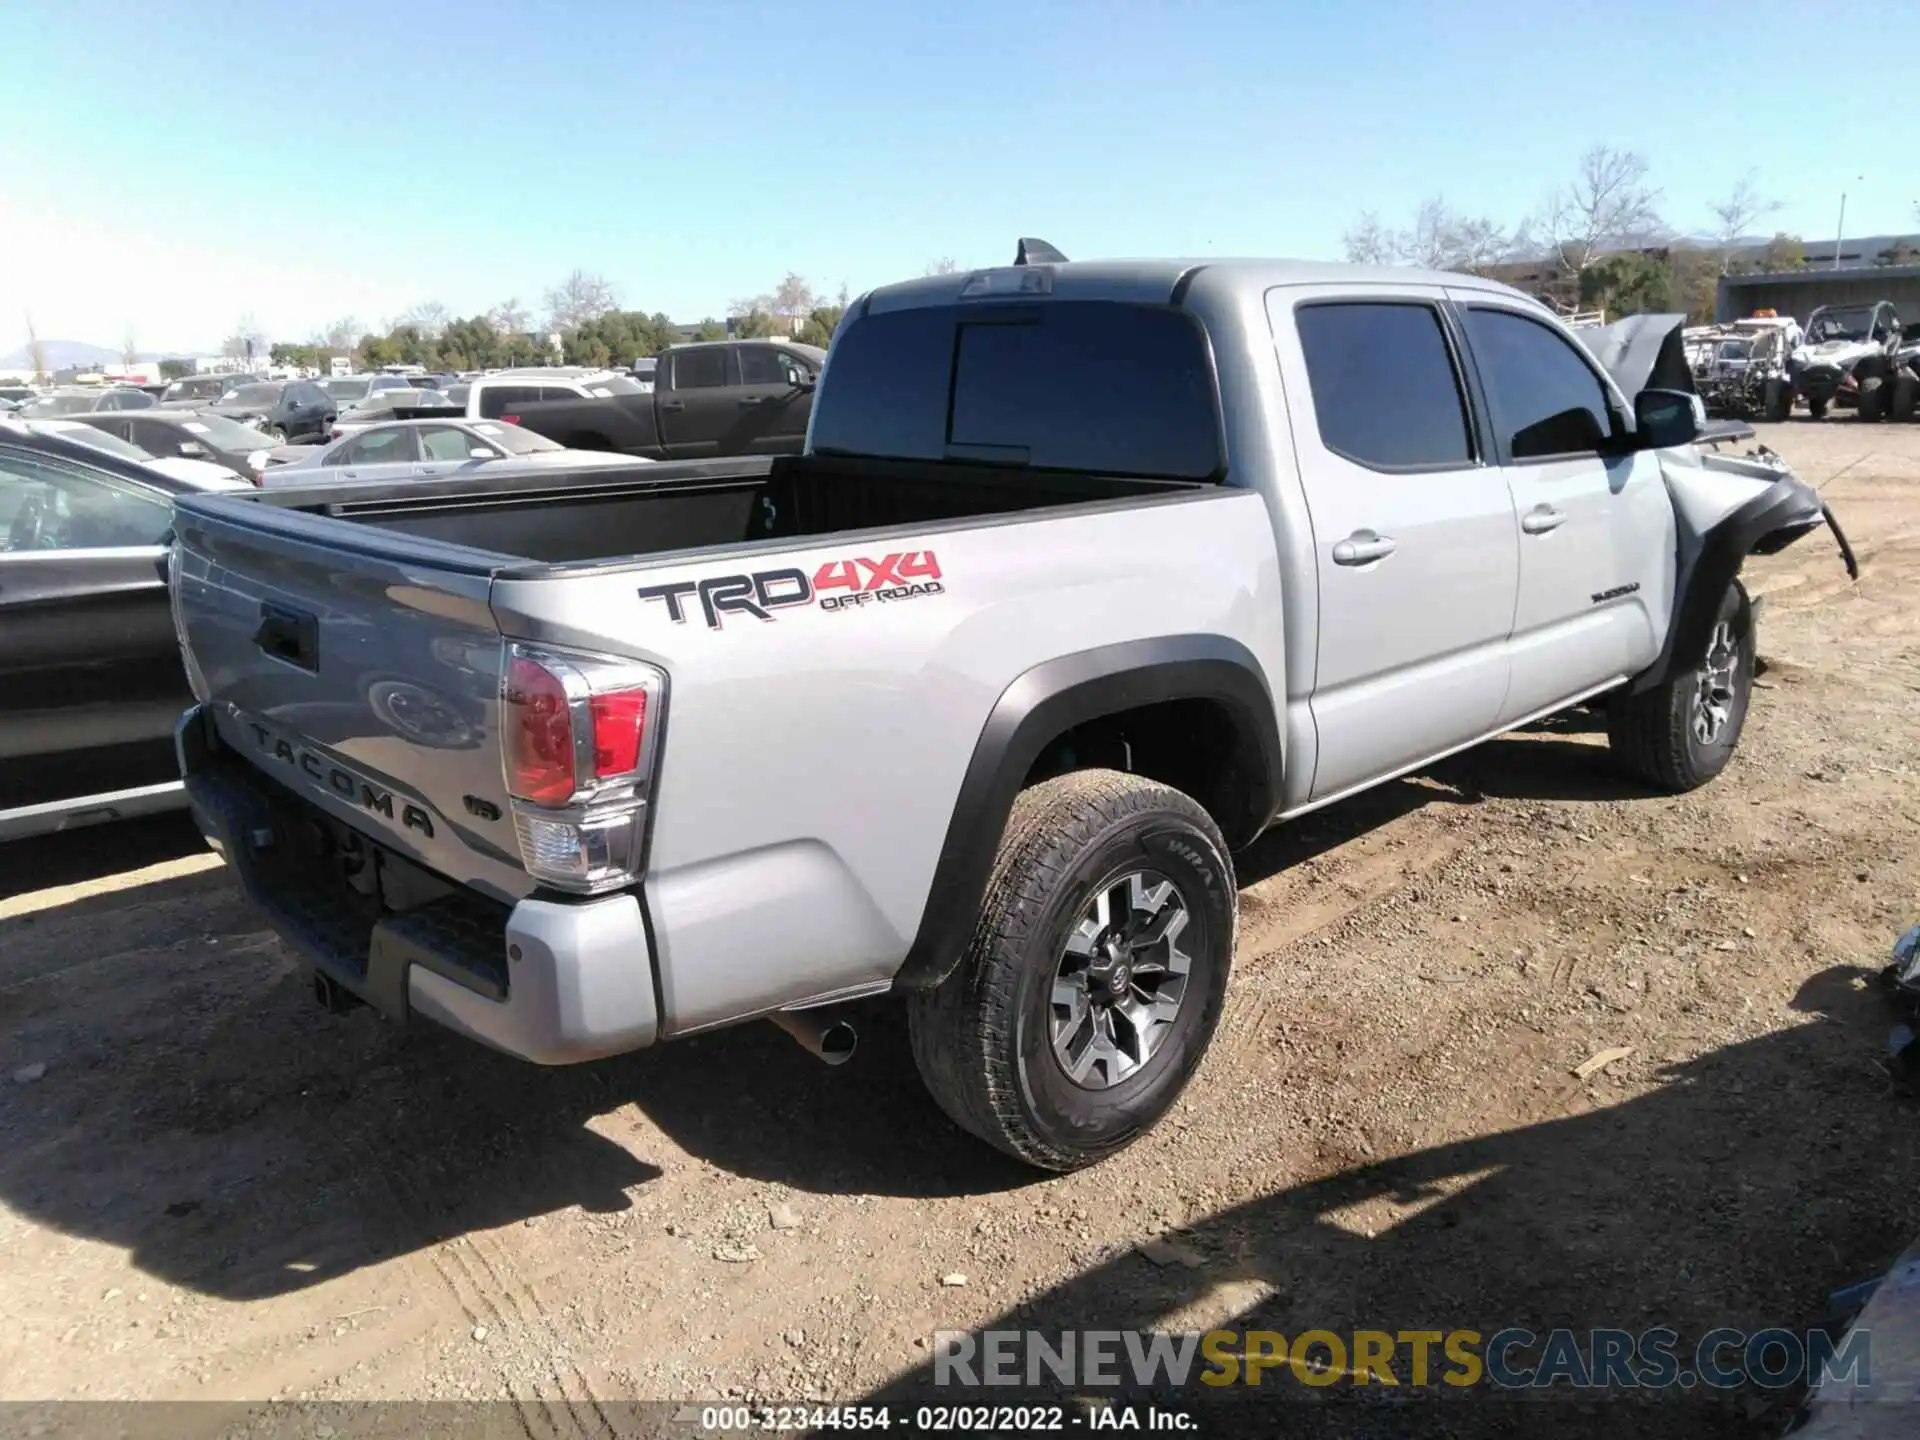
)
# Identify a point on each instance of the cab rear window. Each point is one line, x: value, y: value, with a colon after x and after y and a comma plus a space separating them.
x: 1096, y: 386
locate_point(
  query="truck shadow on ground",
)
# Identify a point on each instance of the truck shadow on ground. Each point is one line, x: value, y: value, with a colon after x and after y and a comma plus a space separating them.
x: 202, y: 1114
x: 72, y: 857
x: 1595, y: 1219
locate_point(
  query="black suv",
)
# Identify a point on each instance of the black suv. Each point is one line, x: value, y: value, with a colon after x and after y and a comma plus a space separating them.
x: 288, y: 410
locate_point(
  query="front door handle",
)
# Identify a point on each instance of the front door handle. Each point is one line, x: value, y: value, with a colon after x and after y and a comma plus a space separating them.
x: 675, y: 405
x: 1541, y: 519
x: 1362, y: 548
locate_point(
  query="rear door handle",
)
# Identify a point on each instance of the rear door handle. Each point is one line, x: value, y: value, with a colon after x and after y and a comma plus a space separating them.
x: 673, y: 405
x: 1362, y: 548
x: 747, y: 401
x: 1541, y: 519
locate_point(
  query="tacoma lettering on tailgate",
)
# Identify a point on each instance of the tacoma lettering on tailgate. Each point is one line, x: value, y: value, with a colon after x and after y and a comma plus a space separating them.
x: 836, y: 585
x: 342, y: 781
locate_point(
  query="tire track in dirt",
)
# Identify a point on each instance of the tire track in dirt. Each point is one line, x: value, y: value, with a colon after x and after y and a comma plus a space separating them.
x: 1303, y: 903
x: 477, y: 1271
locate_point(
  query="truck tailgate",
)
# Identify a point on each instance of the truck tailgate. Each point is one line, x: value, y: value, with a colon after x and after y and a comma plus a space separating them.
x: 363, y: 679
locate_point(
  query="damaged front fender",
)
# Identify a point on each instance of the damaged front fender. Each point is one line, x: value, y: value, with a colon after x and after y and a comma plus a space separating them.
x: 1727, y: 507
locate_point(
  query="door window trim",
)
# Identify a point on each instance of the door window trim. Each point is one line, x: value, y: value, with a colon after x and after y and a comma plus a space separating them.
x: 1501, y: 446
x: 1478, y: 428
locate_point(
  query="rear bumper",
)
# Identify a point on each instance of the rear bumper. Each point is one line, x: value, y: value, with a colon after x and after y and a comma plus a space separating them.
x: 552, y: 981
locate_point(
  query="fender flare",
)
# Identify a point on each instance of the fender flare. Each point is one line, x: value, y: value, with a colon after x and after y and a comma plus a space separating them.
x: 1772, y: 520
x: 1046, y: 701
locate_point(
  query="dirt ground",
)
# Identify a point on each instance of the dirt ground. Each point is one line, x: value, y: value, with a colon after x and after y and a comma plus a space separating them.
x: 218, y: 1191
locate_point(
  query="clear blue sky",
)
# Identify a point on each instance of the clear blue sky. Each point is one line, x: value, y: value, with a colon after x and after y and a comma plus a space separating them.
x: 171, y: 167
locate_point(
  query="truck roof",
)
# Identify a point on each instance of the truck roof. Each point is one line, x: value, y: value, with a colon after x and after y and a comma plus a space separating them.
x: 1153, y: 281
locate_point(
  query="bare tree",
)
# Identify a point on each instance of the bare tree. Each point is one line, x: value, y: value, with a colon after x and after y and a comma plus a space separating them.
x: 129, y: 349
x: 577, y: 299
x: 340, y: 336
x: 36, y: 351
x: 1439, y: 239
x: 1368, y: 242
x: 510, y: 317
x: 793, y: 297
x: 1737, y: 214
x: 945, y: 265
x: 1608, y: 205
x: 247, y: 341
x: 429, y: 318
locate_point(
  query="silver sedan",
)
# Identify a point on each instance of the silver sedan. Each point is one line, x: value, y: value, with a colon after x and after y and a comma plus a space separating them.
x: 425, y: 449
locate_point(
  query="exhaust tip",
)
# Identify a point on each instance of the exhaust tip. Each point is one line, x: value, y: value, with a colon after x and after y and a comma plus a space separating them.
x: 828, y: 1038
x: 837, y: 1043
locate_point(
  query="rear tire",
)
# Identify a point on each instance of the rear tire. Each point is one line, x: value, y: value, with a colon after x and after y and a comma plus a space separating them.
x: 1873, y: 398
x: 1067, y: 1030
x: 1905, y: 397
x: 1776, y: 402
x: 1679, y: 735
x: 1816, y: 409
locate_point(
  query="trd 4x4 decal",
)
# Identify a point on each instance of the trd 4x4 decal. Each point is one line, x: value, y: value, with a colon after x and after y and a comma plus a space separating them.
x: 836, y: 585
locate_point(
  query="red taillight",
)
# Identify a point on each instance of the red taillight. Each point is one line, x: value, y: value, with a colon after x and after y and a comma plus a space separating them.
x: 509, y: 419
x: 619, y: 720
x: 537, y: 728
x: 537, y: 723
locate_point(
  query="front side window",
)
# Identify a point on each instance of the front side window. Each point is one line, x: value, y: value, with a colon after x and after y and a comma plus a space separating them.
x: 443, y: 442
x: 1546, y: 400
x: 1385, y: 390
x: 48, y: 504
x: 699, y: 369
x: 764, y: 365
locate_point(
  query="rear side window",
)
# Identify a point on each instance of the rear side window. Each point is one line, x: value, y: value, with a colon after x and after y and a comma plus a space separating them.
x: 558, y: 392
x: 1095, y: 386
x: 1385, y: 390
x: 497, y: 400
x: 699, y: 369
x: 1546, y: 400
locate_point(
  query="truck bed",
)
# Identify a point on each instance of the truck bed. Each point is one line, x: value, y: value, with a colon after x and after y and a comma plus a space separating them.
x: 618, y: 514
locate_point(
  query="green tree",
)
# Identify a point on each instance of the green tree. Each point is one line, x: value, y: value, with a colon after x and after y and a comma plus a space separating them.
x: 710, y: 329
x: 1785, y: 252
x: 820, y: 325
x: 175, y: 369
x: 756, y: 324
x: 1629, y: 282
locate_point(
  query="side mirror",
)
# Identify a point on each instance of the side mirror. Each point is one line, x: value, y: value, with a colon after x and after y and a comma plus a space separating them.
x: 805, y: 380
x: 1664, y: 418
x: 192, y: 449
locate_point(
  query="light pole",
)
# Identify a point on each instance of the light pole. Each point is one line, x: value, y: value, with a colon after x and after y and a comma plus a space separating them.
x: 1840, y: 233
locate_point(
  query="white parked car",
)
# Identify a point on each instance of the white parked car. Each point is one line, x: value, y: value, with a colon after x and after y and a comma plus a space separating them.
x: 425, y: 449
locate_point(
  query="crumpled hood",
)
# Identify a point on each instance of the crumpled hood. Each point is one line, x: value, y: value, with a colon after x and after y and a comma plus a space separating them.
x: 1641, y: 352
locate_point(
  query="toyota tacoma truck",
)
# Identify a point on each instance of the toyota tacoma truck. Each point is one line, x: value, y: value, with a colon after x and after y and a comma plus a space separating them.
x: 1089, y: 573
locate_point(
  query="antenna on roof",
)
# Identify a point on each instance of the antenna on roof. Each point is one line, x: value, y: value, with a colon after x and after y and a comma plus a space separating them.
x: 1037, y: 252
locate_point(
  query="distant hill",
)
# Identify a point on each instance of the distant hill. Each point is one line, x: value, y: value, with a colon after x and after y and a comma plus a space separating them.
x: 61, y: 354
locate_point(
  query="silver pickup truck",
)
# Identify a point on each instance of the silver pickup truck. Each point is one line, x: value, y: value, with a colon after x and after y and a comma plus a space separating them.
x: 1090, y: 573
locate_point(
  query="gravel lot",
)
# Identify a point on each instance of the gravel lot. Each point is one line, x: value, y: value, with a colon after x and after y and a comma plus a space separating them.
x: 217, y: 1191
